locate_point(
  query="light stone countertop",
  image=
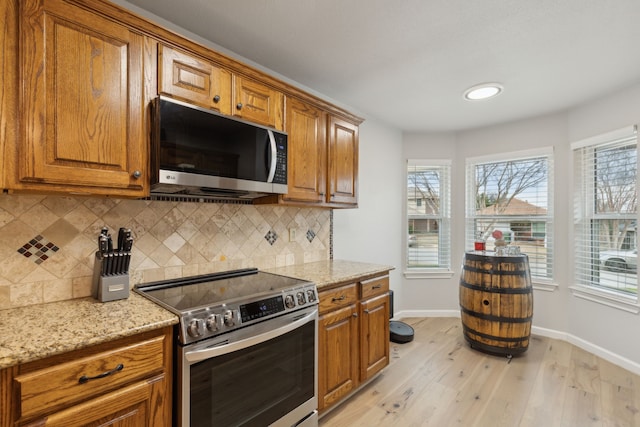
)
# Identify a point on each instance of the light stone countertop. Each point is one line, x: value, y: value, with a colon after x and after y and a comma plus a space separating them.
x: 38, y: 331
x: 331, y: 272
x: 35, y: 332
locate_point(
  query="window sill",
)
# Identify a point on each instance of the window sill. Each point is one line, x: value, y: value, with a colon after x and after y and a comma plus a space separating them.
x: 431, y: 273
x: 544, y: 286
x: 608, y: 298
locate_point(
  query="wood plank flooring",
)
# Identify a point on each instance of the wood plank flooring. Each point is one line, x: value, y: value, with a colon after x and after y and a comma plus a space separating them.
x: 438, y: 380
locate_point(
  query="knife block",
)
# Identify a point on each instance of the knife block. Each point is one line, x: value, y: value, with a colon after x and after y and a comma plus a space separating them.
x: 108, y: 288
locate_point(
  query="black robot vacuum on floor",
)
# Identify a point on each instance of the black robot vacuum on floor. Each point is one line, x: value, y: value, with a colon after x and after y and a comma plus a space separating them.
x: 399, y: 332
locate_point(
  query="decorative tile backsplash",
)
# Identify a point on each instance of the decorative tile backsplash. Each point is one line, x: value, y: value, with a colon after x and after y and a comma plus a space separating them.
x: 47, y: 244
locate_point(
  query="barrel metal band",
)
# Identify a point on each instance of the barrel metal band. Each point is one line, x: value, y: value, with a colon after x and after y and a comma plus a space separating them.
x: 495, y: 290
x: 495, y: 271
x: 492, y: 337
x: 496, y: 318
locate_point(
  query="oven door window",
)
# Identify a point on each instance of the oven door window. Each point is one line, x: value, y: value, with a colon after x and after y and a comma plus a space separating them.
x: 255, y: 386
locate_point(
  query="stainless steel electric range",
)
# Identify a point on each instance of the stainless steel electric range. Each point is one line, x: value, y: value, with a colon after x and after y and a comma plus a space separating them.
x: 246, y: 348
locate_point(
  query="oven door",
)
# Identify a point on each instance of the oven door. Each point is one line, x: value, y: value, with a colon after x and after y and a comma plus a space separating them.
x: 262, y: 375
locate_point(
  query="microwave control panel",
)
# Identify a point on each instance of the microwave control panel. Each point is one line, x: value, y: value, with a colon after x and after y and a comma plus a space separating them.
x: 280, y: 176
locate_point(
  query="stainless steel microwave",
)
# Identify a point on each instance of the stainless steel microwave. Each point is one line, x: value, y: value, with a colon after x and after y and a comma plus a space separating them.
x: 198, y: 152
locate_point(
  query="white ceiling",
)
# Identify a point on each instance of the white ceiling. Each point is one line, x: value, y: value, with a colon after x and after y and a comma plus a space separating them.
x: 407, y: 62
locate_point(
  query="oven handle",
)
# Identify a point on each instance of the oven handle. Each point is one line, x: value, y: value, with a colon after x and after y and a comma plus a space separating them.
x: 207, y: 353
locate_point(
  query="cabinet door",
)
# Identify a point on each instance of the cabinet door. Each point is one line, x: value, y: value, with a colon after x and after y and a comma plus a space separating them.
x: 374, y: 335
x: 307, y: 156
x: 194, y: 80
x: 337, y: 355
x: 126, y: 407
x: 258, y: 103
x: 81, y: 105
x: 343, y: 161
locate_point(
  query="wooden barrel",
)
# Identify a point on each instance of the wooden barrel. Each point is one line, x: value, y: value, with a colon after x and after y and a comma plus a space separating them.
x: 496, y: 302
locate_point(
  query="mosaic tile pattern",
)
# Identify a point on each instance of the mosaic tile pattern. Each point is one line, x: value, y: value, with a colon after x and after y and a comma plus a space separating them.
x: 271, y: 237
x: 37, y: 249
x: 310, y: 235
x: 171, y: 239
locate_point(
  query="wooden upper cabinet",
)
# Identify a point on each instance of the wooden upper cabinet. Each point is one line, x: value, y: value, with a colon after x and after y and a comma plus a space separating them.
x: 81, y: 108
x: 307, y: 154
x: 194, y: 80
x: 343, y: 161
x: 257, y: 102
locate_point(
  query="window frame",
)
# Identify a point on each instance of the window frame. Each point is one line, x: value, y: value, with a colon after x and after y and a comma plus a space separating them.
x: 546, y: 283
x: 443, y: 270
x: 584, y: 211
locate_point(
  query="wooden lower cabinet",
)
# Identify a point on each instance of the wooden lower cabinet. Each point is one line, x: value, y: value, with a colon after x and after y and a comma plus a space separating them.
x: 338, y: 355
x: 353, y: 335
x: 127, y: 382
x: 374, y: 340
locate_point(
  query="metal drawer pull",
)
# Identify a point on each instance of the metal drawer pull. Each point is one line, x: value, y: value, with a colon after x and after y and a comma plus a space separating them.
x: 376, y: 287
x: 338, y: 299
x: 83, y: 379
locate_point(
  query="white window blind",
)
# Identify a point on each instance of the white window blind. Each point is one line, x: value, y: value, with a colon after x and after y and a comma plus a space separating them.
x: 428, y: 214
x: 513, y: 193
x: 606, y: 212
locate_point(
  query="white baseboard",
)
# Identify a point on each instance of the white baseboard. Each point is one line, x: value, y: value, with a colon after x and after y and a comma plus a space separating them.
x: 602, y: 352
x: 607, y: 355
x: 425, y: 313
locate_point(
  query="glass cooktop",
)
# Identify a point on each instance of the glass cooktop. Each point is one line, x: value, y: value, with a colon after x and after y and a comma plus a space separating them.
x: 214, y: 289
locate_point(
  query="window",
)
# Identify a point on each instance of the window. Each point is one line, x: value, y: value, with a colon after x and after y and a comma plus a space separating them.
x: 513, y: 193
x: 606, y: 212
x: 428, y: 215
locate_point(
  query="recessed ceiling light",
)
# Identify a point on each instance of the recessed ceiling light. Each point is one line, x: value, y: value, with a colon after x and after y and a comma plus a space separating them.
x: 482, y: 91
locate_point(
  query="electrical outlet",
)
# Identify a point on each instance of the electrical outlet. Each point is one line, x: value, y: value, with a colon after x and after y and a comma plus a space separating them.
x: 292, y: 234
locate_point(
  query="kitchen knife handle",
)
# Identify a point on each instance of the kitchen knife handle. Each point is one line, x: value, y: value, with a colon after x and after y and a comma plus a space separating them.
x: 127, y: 262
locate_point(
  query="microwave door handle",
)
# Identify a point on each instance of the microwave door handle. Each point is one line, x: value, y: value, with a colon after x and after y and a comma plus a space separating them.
x: 274, y: 156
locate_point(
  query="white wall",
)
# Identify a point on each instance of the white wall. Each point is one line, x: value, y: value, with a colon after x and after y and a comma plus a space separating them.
x: 611, y: 329
x: 373, y: 232
x: 429, y: 295
x: 604, y: 330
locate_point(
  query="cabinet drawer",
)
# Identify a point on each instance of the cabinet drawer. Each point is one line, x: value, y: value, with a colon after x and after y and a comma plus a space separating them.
x: 377, y: 286
x: 68, y: 383
x: 338, y: 297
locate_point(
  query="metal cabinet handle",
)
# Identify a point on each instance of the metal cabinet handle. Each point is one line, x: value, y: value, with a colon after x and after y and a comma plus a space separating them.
x: 216, y: 99
x: 83, y: 379
x: 376, y: 287
x: 355, y: 314
x: 239, y: 106
x: 342, y: 298
x: 366, y: 311
x: 137, y: 174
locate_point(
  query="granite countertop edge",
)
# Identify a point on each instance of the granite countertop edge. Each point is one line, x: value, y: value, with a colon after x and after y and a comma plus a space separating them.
x: 39, y: 331
x: 331, y: 272
x: 35, y: 332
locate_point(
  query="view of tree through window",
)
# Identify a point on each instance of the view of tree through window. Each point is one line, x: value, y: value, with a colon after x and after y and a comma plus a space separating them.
x: 428, y: 235
x: 606, y: 214
x: 513, y: 196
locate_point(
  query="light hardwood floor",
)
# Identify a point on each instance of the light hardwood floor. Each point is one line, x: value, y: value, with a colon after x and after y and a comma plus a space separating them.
x: 438, y: 380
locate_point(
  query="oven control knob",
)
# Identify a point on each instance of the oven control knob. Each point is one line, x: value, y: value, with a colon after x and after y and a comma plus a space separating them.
x: 311, y: 296
x: 301, y: 298
x: 289, y: 301
x: 195, y: 328
x: 229, y: 318
x: 212, y: 322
